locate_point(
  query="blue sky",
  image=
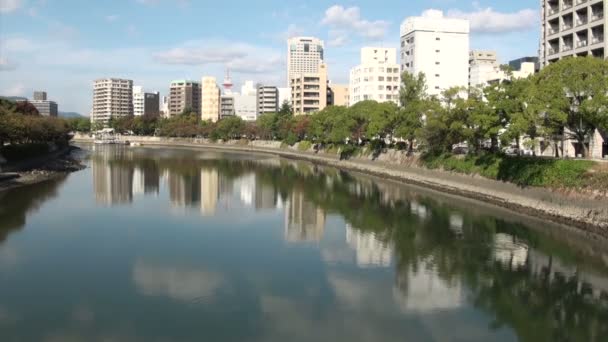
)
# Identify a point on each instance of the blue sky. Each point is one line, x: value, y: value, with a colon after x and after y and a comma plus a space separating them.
x: 61, y: 46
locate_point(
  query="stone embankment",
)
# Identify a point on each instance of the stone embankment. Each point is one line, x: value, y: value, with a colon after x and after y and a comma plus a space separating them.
x: 574, y: 209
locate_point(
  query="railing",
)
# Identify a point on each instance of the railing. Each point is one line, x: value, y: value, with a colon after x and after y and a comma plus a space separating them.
x: 596, y: 40
x: 581, y: 43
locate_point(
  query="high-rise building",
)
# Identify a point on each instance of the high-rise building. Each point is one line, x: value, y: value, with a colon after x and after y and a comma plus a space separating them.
x: 309, y: 91
x: 438, y: 47
x: 304, y: 221
x: 268, y: 99
x: 210, y: 99
x: 112, y: 98
x: 44, y: 106
x: 516, y: 64
x: 40, y: 96
x: 304, y: 56
x: 144, y: 103
x: 338, y: 95
x: 184, y: 95
x: 572, y: 28
x: 377, y: 77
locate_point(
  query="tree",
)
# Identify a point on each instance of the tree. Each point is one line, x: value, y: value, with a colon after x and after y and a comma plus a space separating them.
x: 573, y: 93
x: 414, y: 107
x: 231, y: 127
x: 285, y: 109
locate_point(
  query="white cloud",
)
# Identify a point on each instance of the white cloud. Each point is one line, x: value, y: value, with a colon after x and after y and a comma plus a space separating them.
x: 184, y: 284
x: 7, y: 6
x: 344, y: 22
x: 240, y: 57
x: 487, y: 20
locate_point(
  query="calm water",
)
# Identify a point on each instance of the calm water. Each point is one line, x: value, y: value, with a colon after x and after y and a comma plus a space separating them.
x: 178, y: 245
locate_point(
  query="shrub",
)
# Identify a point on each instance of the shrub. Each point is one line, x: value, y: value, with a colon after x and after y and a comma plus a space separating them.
x: 304, y: 145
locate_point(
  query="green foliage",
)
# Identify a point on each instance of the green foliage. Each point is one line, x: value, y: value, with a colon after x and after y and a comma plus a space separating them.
x: 19, y: 126
x: 573, y: 93
x: 79, y: 124
x: 304, y: 145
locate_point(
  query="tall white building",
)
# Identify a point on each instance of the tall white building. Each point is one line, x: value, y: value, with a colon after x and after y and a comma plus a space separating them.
x: 304, y: 56
x: 572, y: 28
x: 210, y: 99
x: 112, y: 98
x: 138, y: 100
x: 437, y: 47
x: 377, y: 77
x: 267, y: 99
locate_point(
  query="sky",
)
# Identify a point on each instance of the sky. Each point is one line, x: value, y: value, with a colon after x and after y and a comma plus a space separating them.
x: 62, y: 46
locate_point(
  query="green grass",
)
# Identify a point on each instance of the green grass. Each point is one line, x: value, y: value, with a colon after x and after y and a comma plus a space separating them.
x: 523, y: 171
x: 14, y: 153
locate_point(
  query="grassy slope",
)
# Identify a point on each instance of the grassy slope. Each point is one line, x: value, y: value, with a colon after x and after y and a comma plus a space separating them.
x: 525, y: 171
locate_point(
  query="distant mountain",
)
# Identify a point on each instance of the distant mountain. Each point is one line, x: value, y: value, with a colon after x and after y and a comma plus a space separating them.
x: 13, y: 98
x: 70, y: 115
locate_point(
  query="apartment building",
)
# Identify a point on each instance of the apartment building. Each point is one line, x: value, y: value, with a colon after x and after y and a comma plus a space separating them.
x: 304, y: 56
x: 112, y: 98
x: 439, y: 48
x: 267, y: 99
x: 572, y: 28
x: 46, y: 108
x: 338, y: 95
x: 210, y: 99
x: 377, y: 77
x: 309, y: 91
x: 145, y: 103
x: 484, y: 68
x: 226, y: 105
x: 184, y: 94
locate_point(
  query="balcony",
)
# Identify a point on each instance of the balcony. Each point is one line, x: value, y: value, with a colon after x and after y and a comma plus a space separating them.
x: 597, y: 40
x: 567, y: 4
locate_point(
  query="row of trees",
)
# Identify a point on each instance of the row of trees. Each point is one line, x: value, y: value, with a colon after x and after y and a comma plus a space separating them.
x: 20, y: 123
x: 566, y: 100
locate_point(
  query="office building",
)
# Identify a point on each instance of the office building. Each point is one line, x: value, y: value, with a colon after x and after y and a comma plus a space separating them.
x: 40, y: 96
x: 572, y: 28
x: 438, y: 47
x: 377, y: 77
x: 267, y: 99
x: 484, y: 69
x: 338, y: 95
x: 183, y: 95
x: 309, y: 91
x: 226, y: 106
x: 112, y: 98
x: 46, y: 108
x: 210, y: 99
x: 304, y: 56
x: 144, y: 103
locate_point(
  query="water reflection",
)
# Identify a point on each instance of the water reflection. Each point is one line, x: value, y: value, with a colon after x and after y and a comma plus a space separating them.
x: 265, y: 249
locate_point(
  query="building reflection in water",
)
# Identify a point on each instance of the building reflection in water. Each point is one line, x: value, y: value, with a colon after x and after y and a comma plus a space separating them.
x: 210, y: 191
x: 509, y: 251
x: 369, y: 250
x: 112, y: 182
x: 421, y: 289
x: 304, y: 221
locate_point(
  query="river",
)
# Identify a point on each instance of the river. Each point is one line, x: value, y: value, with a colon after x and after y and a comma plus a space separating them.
x: 169, y: 244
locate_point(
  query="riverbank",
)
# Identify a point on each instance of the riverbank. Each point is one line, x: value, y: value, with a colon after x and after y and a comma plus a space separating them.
x: 589, y: 213
x: 39, y: 169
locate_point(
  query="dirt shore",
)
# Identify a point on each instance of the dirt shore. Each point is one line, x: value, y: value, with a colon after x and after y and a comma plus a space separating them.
x: 41, y: 169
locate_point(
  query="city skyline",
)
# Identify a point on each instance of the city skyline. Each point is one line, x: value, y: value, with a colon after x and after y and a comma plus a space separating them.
x: 44, y: 41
